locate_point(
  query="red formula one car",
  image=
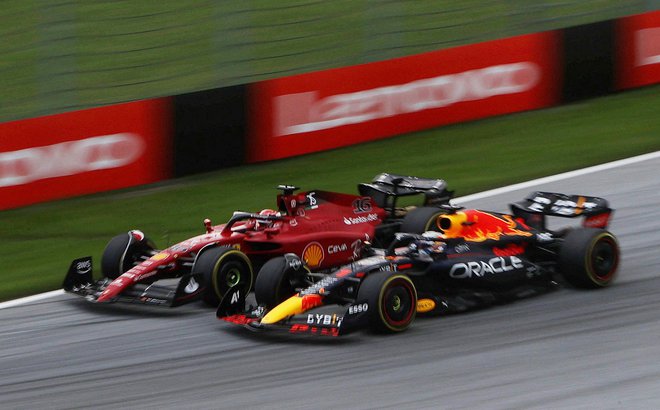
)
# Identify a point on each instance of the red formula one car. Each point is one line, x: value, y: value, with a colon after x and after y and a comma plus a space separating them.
x: 473, y: 259
x: 325, y: 229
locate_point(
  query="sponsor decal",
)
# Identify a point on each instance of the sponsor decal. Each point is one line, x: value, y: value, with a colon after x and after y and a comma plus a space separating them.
x: 360, y: 219
x: 389, y: 268
x: 383, y: 102
x: 86, y: 151
x: 647, y: 46
x: 240, y: 319
x: 295, y: 263
x: 359, y: 308
x: 337, y: 107
x: 192, y: 286
x: 235, y: 297
x: 313, y: 254
x: 337, y: 248
x: 311, y: 201
x: 293, y: 222
x: 638, y: 51
x: 482, y: 268
x: 160, y: 256
x: 462, y: 248
x: 83, y: 267
x: 597, y: 221
x: 544, y: 237
x: 425, y: 305
x: 362, y: 205
x: 311, y: 301
x: 318, y: 287
x: 510, y: 250
x: 69, y: 158
x: 323, y: 331
x: 326, y: 320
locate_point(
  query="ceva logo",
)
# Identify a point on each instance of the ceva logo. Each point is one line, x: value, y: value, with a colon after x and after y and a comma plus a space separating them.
x: 69, y: 158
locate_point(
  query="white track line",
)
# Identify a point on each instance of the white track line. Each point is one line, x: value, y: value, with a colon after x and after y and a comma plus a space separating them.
x: 479, y: 195
x: 559, y: 177
x: 33, y: 298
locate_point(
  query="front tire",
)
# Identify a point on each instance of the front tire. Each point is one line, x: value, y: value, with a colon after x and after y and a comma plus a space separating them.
x: 392, y: 301
x: 277, y: 281
x: 222, y: 268
x: 589, y: 258
x: 123, y: 252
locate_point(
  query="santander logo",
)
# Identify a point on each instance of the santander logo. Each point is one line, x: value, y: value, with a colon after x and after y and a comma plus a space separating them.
x: 69, y: 158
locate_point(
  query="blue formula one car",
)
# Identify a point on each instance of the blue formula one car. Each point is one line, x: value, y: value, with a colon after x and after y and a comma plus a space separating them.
x: 471, y: 259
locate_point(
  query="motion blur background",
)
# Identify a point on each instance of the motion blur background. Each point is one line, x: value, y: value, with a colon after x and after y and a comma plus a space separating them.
x: 63, y: 55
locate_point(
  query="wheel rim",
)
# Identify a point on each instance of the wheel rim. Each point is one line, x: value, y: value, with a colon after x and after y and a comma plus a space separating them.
x: 604, y: 259
x: 398, y: 304
x: 233, y: 277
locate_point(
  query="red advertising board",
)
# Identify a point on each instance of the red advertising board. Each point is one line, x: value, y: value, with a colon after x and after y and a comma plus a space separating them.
x: 338, y: 107
x: 83, y: 152
x: 638, y: 50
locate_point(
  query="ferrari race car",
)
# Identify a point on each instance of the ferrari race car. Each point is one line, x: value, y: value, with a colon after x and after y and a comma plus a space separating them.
x: 325, y: 229
x: 471, y: 259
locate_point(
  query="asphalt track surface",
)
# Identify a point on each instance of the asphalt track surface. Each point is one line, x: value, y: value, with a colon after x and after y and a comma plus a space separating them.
x: 568, y: 349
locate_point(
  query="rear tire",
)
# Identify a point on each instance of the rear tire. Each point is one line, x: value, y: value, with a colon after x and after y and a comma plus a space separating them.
x: 589, y: 258
x: 222, y: 268
x: 277, y: 281
x: 392, y: 301
x: 122, y: 253
x: 420, y: 220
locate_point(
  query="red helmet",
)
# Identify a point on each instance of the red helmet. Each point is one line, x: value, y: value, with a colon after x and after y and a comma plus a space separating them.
x: 266, y: 223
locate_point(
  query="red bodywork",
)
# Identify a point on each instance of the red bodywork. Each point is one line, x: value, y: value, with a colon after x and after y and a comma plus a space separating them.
x: 325, y: 229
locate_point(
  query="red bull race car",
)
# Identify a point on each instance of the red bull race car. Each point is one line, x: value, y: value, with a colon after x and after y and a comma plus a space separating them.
x: 471, y: 258
x: 324, y: 229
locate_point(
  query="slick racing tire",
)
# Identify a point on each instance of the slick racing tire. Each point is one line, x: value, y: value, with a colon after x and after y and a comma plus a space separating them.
x: 420, y: 220
x: 123, y: 252
x: 277, y: 281
x: 392, y: 301
x: 589, y: 258
x: 223, y: 268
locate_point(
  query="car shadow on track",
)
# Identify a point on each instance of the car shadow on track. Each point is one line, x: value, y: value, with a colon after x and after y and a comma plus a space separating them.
x: 193, y: 309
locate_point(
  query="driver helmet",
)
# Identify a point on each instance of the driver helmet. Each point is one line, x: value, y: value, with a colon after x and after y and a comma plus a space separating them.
x: 429, y: 246
x: 265, y: 223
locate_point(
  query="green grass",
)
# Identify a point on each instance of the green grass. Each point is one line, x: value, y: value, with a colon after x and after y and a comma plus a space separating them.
x: 38, y: 242
x: 62, y: 55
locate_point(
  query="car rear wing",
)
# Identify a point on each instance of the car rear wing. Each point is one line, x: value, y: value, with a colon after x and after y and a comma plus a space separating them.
x: 533, y: 209
x: 386, y: 188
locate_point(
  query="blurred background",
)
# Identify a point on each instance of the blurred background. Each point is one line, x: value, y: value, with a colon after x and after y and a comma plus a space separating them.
x: 63, y: 55
x: 67, y: 55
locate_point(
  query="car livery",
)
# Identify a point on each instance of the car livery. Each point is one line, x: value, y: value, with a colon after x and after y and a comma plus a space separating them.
x: 472, y: 258
x: 325, y: 229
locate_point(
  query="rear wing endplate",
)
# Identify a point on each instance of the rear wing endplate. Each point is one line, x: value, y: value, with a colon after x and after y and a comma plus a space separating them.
x: 596, y: 211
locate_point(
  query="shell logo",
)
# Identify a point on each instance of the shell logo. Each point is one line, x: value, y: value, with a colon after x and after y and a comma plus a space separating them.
x: 313, y: 254
x: 425, y: 305
x: 160, y: 256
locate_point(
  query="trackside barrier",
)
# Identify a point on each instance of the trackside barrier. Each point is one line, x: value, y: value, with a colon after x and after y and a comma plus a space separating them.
x: 84, y: 152
x: 344, y: 106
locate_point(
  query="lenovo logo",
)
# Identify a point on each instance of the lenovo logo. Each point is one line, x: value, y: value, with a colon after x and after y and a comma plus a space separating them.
x: 647, y: 46
x: 305, y: 112
x: 69, y: 158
